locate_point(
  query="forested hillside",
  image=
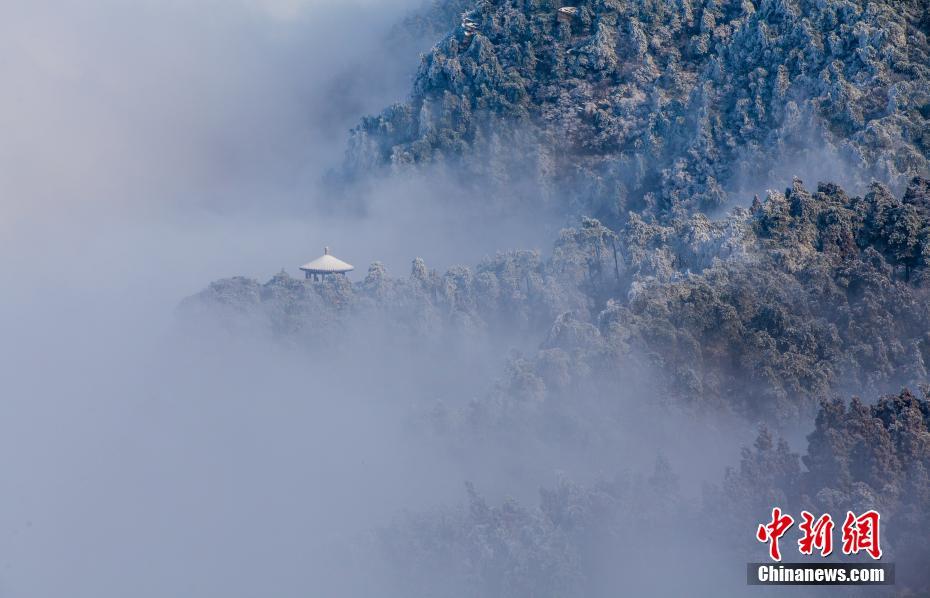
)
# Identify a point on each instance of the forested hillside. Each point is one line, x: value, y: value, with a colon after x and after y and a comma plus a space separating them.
x: 664, y: 105
x: 763, y: 312
x: 769, y: 314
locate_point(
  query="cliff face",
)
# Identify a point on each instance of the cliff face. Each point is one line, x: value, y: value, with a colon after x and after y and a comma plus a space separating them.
x: 664, y: 106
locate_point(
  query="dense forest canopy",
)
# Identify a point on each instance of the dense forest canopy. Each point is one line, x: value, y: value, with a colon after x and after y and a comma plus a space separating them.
x: 663, y: 106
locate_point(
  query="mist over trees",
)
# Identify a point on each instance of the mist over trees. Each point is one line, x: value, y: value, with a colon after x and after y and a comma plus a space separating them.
x: 554, y: 420
x: 766, y: 315
x: 762, y: 313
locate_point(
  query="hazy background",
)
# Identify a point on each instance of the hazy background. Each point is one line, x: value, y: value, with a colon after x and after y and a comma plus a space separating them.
x: 148, y: 148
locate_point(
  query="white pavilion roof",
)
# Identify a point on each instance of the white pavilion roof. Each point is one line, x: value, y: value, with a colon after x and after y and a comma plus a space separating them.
x: 327, y: 263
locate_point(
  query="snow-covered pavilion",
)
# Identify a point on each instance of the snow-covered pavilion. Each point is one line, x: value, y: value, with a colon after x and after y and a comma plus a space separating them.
x: 325, y: 265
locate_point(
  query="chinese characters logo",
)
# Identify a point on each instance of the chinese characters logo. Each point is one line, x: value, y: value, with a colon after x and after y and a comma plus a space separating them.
x: 860, y: 534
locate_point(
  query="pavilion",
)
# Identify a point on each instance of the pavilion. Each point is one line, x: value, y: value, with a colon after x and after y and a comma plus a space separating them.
x: 325, y: 265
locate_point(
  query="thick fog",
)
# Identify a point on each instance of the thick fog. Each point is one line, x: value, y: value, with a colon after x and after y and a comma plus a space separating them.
x: 149, y: 148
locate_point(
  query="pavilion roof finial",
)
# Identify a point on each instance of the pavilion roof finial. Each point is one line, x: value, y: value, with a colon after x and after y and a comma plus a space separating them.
x: 326, y: 251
